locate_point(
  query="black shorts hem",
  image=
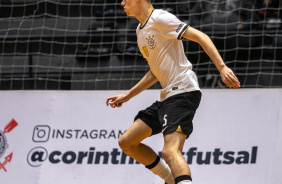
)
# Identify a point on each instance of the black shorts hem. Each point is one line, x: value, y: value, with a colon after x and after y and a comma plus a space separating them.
x: 174, y: 129
x: 148, y: 121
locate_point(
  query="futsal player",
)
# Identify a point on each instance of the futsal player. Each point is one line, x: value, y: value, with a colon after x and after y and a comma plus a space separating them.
x: 159, y: 35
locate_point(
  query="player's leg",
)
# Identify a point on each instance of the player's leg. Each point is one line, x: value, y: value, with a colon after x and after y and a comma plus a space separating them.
x: 146, y: 124
x: 172, y: 153
x: 130, y: 143
x: 176, y: 115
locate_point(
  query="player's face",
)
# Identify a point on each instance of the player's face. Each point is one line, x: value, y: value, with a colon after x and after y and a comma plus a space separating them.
x: 129, y: 7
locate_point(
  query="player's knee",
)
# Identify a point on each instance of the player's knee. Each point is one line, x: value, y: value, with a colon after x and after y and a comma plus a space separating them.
x: 168, y: 153
x: 122, y: 142
x: 125, y: 144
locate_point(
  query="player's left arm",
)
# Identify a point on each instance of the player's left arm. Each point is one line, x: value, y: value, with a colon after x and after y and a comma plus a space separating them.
x: 227, y: 75
x: 147, y: 81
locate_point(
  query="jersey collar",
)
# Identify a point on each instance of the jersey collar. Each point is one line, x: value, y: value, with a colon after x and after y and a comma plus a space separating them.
x: 141, y: 27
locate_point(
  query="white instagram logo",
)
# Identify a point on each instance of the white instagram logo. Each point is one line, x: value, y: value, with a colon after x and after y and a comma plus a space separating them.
x: 41, y: 133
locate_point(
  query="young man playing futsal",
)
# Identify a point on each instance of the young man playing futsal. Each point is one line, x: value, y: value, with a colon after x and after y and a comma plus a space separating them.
x: 159, y: 37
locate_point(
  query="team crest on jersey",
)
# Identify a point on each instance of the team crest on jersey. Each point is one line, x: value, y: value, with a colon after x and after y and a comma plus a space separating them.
x: 151, y: 42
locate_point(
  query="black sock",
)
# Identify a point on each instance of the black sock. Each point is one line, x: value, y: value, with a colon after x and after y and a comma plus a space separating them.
x: 182, y: 178
x: 154, y: 163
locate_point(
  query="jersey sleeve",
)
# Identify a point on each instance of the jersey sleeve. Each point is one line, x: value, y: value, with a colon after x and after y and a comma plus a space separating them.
x: 170, y: 26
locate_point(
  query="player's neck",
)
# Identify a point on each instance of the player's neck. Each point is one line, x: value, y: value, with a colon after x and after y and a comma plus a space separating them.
x: 144, y: 15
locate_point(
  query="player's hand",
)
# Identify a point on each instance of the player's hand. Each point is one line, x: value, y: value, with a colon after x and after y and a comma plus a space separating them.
x: 229, y: 78
x: 116, y: 101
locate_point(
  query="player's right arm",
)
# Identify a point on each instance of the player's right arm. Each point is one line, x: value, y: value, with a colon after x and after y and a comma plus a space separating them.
x: 227, y: 75
x: 147, y: 81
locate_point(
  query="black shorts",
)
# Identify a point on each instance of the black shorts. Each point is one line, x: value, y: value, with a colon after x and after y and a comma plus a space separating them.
x: 173, y: 114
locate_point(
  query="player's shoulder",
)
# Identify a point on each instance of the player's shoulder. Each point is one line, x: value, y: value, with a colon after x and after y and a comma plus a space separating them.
x: 160, y: 14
